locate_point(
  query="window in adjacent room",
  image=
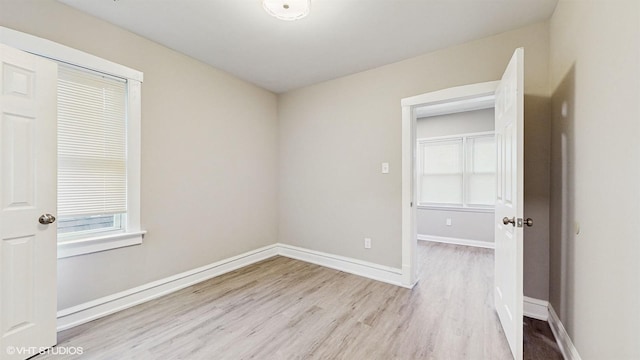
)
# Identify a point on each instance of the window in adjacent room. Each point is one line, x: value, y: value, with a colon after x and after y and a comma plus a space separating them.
x: 457, y: 171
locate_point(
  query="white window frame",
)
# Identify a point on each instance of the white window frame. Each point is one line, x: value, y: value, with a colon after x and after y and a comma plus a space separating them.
x: 132, y: 234
x: 464, y: 206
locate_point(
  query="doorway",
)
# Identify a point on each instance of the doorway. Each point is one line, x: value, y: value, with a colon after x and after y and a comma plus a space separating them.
x: 447, y: 101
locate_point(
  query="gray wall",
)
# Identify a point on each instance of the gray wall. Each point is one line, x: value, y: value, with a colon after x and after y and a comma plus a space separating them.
x: 595, y: 77
x: 454, y: 124
x: 467, y: 225
x: 334, y: 135
x: 464, y: 224
x: 205, y: 136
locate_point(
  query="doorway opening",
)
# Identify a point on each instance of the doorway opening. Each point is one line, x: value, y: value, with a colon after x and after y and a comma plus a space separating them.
x: 468, y: 98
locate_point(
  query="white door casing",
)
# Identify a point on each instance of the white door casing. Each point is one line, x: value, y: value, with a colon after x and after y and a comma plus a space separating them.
x: 28, y: 171
x: 509, y: 128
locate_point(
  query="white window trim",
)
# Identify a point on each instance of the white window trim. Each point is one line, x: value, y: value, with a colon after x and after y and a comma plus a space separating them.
x: 464, y: 207
x: 133, y: 234
x: 53, y: 50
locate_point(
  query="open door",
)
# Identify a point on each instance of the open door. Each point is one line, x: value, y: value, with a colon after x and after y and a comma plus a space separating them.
x: 509, y: 128
x: 28, y: 173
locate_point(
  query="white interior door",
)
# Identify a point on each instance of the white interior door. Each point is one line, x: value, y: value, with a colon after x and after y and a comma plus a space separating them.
x: 27, y: 191
x: 509, y: 127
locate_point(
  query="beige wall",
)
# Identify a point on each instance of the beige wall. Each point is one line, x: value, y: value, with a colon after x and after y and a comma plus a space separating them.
x: 208, y: 157
x: 457, y: 123
x: 595, y: 72
x: 333, y: 136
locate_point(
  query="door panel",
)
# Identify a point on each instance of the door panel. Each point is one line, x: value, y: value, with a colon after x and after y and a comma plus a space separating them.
x: 28, y: 171
x: 509, y: 127
x: 17, y: 161
x: 17, y: 282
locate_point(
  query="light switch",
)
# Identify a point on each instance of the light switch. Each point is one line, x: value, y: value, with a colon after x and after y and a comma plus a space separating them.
x: 385, y: 168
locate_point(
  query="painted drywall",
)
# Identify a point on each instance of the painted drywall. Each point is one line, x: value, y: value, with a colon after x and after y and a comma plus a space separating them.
x: 457, y: 123
x: 333, y: 136
x: 208, y: 157
x: 595, y: 81
x: 468, y: 225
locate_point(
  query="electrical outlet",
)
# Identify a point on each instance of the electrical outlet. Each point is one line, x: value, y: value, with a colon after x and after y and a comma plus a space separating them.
x: 367, y: 243
x: 448, y: 221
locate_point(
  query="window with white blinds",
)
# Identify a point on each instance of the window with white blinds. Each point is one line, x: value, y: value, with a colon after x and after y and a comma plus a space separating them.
x: 99, y: 127
x: 480, y: 170
x: 442, y: 172
x: 457, y: 171
x: 92, y: 150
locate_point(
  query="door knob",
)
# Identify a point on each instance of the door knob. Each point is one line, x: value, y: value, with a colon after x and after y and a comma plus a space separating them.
x: 528, y: 222
x: 47, y: 219
x: 508, y: 221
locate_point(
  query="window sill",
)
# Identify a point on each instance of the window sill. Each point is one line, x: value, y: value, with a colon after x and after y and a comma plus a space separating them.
x: 99, y: 243
x: 452, y: 208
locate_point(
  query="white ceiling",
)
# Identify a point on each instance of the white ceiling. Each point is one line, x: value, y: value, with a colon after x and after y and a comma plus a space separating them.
x: 338, y: 38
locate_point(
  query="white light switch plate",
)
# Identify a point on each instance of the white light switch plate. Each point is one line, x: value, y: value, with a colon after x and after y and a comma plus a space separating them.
x: 385, y: 168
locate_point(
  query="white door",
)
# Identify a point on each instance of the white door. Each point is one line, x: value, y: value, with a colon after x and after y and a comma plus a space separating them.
x: 509, y: 127
x: 27, y: 191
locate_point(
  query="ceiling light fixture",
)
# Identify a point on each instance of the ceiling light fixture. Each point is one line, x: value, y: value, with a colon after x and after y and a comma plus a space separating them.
x: 288, y: 10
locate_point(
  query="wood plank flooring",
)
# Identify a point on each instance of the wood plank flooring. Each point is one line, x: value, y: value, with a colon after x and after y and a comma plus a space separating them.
x: 287, y: 309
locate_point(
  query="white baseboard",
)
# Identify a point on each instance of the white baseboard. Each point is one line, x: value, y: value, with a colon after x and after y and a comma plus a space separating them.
x: 353, y: 266
x: 80, y: 314
x: 457, y: 241
x: 83, y: 313
x: 569, y: 351
x: 536, y: 309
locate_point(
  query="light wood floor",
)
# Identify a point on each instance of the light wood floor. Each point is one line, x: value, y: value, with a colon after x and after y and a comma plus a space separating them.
x: 287, y: 309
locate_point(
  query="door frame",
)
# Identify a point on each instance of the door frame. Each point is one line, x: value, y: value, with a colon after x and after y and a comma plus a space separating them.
x: 445, y: 101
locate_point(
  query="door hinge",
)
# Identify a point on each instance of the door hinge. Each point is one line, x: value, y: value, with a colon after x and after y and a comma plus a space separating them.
x: 411, y: 204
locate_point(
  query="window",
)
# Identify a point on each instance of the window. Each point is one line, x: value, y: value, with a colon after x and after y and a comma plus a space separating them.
x: 442, y: 172
x: 92, y: 153
x: 457, y: 171
x: 99, y: 150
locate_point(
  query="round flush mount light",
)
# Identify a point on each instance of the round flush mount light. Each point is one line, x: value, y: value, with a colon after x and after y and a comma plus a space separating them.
x: 287, y: 10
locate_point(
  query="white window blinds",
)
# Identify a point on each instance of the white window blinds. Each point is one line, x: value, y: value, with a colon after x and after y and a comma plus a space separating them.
x: 441, y: 180
x: 481, y: 170
x: 457, y: 171
x: 92, y: 153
